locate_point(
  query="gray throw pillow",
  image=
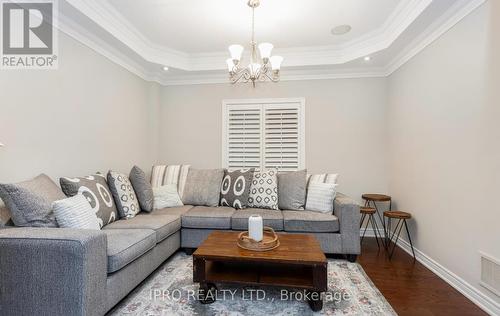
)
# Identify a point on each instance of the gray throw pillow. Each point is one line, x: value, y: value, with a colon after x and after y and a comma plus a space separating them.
x: 124, y: 194
x: 142, y: 188
x: 96, y: 190
x: 292, y: 190
x: 30, y: 202
x: 203, y: 187
x: 235, y: 188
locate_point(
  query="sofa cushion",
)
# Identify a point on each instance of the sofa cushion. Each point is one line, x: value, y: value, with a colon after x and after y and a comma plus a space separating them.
x: 126, y: 245
x: 164, y: 225
x: 75, y: 212
x: 203, y: 187
x: 292, y: 190
x: 235, y: 188
x: 178, y: 210
x: 264, y: 189
x: 29, y: 202
x: 208, y: 217
x: 142, y: 188
x: 124, y: 194
x: 96, y: 190
x: 271, y: 218
x: 311, y: 222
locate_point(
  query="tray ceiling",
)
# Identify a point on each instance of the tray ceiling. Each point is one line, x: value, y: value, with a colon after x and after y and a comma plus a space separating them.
x: 191, y: 36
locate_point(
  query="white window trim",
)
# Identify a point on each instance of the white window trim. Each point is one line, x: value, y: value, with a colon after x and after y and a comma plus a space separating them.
x: 302, y: 124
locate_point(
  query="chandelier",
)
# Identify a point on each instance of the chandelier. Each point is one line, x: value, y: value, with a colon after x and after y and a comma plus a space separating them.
x: 267, y: 68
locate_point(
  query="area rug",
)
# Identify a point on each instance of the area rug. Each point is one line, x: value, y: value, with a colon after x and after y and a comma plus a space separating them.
x: 171, y: 291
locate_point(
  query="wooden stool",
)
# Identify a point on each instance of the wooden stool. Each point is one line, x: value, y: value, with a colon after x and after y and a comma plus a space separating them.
x: 401, y: 217
x: 371, y: 200
x: 369, y: 211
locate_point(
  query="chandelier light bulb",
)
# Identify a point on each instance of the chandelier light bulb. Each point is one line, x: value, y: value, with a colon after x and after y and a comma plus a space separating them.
x: 230, y: 64
x: 276, y: 62
x: 254, y: 68
x: 236, y: 51
x: 265, y: 50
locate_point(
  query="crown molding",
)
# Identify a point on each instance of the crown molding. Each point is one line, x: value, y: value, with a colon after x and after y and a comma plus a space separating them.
x: 289, y: 75
x: 297, y: 56
x: 455, y: 14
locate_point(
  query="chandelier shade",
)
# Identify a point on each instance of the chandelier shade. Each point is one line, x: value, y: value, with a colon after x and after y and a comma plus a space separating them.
x: 267, y: 67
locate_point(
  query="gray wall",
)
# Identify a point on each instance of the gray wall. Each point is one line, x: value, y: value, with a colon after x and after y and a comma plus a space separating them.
x: 345, y: 126
x: 89, y: 115
x: 444, y: 144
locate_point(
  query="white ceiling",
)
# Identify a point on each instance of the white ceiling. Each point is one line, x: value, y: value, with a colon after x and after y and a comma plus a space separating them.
x: 191, y: 36
x: 196, y: 26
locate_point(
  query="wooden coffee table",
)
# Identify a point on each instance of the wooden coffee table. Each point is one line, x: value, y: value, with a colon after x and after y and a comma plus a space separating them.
x: 298, y: 263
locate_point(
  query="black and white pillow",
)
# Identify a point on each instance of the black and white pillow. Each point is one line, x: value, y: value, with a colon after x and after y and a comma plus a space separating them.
x: 235, y: 188
x: 264, y: 190
x: 124, y: 195
x: 96, y: 190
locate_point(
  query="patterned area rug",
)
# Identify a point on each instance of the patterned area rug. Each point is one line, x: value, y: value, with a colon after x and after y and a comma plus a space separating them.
x: 171, y: 291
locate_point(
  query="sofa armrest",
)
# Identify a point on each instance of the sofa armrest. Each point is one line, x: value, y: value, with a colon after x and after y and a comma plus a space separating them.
x: 347, y: 210
x: 52, y: 271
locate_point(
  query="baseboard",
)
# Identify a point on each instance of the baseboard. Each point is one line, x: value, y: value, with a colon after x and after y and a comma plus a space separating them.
x: 475, y: 295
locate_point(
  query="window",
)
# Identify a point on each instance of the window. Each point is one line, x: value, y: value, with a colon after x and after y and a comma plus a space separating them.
x: 263, y: 134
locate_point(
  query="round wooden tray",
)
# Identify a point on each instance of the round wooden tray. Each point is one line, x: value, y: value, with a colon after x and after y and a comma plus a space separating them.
x: 269, y: 241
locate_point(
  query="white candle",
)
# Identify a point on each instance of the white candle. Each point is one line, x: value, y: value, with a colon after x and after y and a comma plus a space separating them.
x: 255, y: 227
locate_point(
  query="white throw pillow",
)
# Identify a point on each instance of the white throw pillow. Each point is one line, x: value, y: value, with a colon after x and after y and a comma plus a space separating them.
x: 320, y: 197
x: 75, y: 212
x: 166, y: 196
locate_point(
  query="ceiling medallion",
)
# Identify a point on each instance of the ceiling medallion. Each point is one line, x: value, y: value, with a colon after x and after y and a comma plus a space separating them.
x: 267, y: 69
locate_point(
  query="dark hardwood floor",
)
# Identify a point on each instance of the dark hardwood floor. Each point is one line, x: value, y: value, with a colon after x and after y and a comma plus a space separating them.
x: 411, y: 288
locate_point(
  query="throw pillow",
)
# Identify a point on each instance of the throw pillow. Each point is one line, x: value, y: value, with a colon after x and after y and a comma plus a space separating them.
x: 264, y: 190
x: 75, y: 212
x: 292, y: 190
x: 320, y: 197
x: 166, y: 196
x: 142, y: 188
x: 124, y: 195
x: 96, y: 190
x: 235, y: 188
x: 30, y: 202
x: 323, y: 178
x: 203, y: 187
x: 172, y: 174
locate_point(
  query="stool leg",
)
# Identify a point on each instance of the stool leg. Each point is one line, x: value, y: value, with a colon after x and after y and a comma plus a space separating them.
x: 366, y: 227
x: 397, y: 238
x: 409, y: 239
x: 375, y: 229
x: 362, y: 220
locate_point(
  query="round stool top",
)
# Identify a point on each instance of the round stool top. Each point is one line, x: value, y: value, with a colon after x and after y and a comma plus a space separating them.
x: 376, y: 197
x: 367, y: 210
x: 397, y: 214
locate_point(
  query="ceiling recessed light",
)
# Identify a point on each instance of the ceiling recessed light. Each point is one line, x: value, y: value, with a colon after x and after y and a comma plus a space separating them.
x: 341, y: 29
x: 165, y: 68
x: 368, y: 58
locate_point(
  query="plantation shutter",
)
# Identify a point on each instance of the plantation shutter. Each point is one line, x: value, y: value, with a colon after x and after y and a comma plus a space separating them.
x: 281, y: 137
x: 267, y: 135
x: 244, y: 140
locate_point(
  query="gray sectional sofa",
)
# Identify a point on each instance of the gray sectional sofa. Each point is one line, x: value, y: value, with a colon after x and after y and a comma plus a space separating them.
x: 56, y: 271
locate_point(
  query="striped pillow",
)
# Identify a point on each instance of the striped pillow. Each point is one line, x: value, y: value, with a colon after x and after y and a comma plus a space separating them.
x: 75, y: 212
x: 320, y: 197
x: 322, y: 178
x: 173, y: 174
